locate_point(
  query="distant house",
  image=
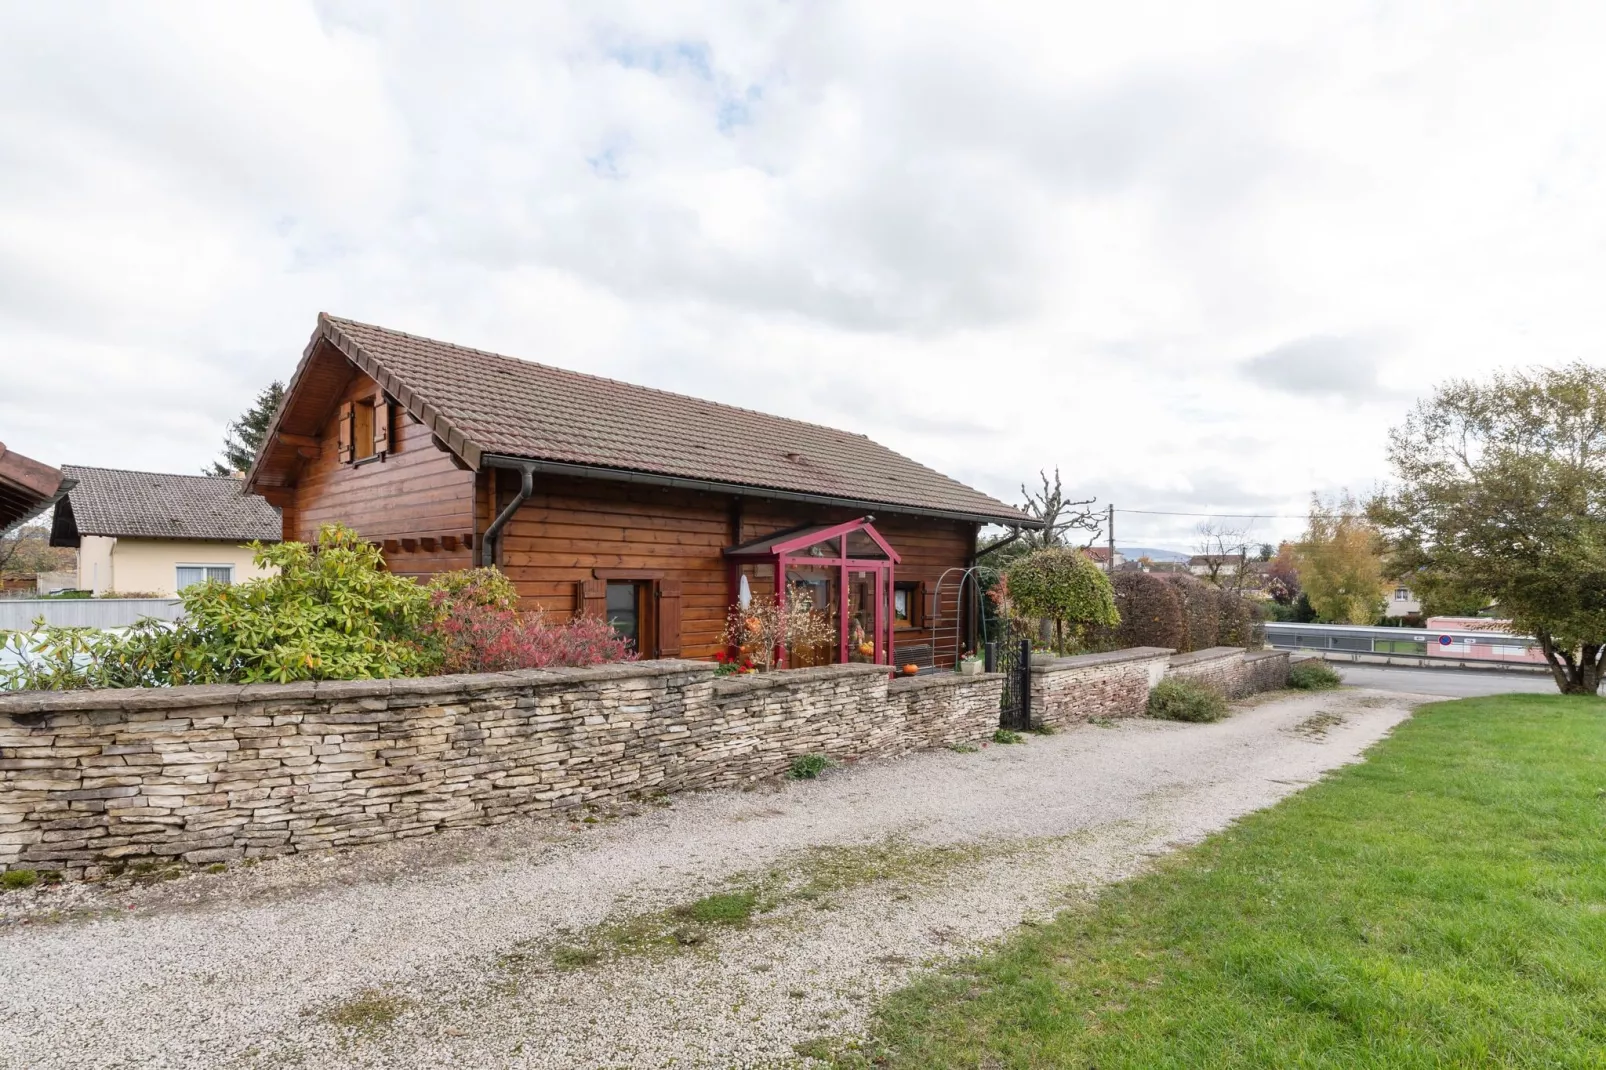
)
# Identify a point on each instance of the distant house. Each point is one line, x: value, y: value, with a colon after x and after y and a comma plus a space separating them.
x: 1101, y: 555
x: 1402, y: 602
x: 1215, y: 564
x: 157, y: 533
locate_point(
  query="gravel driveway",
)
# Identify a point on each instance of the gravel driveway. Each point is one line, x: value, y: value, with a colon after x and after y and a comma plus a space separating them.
x: 705, y: 931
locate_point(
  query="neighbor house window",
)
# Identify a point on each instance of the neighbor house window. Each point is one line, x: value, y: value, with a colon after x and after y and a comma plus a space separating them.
x: 1402, y: 594
x: 189, y: 575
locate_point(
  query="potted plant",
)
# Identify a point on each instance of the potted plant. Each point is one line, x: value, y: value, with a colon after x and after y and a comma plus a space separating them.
x: 970, y: 665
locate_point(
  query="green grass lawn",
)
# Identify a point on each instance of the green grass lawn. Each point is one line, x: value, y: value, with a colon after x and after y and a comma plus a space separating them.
x: 1441, y: 905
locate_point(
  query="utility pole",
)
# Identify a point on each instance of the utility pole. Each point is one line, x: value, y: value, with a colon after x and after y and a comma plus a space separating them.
x: 1110, y: 525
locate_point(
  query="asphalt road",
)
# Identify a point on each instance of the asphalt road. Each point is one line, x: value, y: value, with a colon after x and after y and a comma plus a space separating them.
x: 1451, y: 683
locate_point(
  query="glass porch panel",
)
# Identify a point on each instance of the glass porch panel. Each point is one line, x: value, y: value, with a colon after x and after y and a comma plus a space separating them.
x: 863, y: 546
x: 863, y: 644
x: 818, y: 584
x: 829, y: 548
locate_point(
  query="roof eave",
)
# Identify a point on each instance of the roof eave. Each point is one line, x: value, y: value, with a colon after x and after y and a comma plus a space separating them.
x: 630, y: 475
x: 467, y: 450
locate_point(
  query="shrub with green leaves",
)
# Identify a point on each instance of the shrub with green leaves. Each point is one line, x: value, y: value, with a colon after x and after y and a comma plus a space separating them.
x: 1180, y: 699
x: 808, y: 766
x: 1313, y: 674
x: 1066, y: 587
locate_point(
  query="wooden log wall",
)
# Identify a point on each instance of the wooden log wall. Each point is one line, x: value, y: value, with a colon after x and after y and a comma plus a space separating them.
x: 415, y: 500
x: 570, y: 528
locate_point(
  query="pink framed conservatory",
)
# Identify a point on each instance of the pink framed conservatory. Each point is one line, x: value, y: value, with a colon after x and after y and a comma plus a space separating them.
x: 846, y: 572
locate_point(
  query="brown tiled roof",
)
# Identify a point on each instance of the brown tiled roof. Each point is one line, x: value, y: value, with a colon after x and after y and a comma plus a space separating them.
x: 483, y: 403
x: 27, y: 488
x: 160, y: 505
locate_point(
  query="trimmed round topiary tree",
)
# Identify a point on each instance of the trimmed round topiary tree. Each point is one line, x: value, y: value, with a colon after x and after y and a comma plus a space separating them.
x: 1065, y: 587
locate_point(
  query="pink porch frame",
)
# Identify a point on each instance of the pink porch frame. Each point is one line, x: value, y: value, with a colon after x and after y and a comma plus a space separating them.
x: 786, y: 552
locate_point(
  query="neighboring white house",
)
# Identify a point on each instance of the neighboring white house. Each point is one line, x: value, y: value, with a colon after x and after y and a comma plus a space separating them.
x: 1220, y: 564
x: 157, y: 533
x: 1402, y: 602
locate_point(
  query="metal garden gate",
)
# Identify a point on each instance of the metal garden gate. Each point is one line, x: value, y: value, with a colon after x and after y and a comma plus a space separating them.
x: 1013, y: 658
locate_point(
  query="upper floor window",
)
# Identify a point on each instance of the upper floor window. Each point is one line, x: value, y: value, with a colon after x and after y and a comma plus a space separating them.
x: 1402, y: 594
x: 364, y: 428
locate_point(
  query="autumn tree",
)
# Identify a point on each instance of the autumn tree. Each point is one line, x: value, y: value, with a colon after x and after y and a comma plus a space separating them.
x: 28, y: 549
x: 1340, y: 567
x: 1282, y: 575
x: 1500, y: 497
x: 1064, y: 586
x: 245, y: 435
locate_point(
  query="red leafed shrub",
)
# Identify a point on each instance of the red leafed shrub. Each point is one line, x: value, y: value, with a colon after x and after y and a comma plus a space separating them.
x: 477, y: 630
x: 1200, y: 610
x: 1237, y: 615
x: 1151, y: 612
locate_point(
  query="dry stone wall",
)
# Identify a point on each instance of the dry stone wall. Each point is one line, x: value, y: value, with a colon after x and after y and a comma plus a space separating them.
x: 90, y: 781
x: 1233, y: 671
x: 93, y: 780
x: 1067, y: 691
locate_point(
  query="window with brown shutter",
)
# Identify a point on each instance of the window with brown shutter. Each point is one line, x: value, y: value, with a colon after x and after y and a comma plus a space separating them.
x: 383, y: 412
x: 362, y: 433
x: 668, y: 618
x: 591, y: 598
x: 346, y: 431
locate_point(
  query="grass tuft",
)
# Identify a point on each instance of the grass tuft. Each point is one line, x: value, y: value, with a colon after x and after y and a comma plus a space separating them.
x: 808, y: 766
x: 16, y: 879
x: 1004, y: 735
x: 370, y: 1011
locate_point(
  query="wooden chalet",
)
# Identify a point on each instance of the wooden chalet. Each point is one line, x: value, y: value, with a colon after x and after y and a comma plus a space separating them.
x: 655, y: 510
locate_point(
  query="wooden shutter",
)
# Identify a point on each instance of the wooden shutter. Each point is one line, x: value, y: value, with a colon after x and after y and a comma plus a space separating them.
x: 382, y: 413
x: 347, y: 422
x: 668, y: 618
x: 591, y: 598
x: 917, y: 606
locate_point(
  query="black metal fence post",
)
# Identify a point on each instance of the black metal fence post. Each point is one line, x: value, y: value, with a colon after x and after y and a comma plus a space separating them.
x: 1025, y: 684
x: 990, y: 657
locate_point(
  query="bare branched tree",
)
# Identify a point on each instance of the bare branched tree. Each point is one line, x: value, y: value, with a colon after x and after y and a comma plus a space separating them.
x: 1225, y: 554
x: 1061, y: 519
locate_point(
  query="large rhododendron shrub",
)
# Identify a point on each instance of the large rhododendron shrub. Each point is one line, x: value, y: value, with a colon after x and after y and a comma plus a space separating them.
x: 477, y: 629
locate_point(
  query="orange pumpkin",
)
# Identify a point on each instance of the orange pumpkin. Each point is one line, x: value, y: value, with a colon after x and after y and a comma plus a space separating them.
x: 910, y: 669
x: 867, y: 649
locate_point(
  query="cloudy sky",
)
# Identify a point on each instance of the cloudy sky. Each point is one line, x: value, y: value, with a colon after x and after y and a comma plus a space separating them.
x: 1199, y: 256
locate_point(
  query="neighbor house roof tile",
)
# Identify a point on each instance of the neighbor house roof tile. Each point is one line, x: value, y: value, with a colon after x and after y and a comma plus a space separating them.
x: 162, y: 505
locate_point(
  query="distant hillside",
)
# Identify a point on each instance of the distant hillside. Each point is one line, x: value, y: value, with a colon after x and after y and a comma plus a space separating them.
x: 1132, y: 553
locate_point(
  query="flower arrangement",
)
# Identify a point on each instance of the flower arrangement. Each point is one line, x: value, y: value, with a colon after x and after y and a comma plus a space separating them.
x: 766, y: 628
x: 727, y: 665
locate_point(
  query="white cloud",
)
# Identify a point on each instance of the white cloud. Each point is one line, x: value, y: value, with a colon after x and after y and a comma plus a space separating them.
x: 1149, y: 243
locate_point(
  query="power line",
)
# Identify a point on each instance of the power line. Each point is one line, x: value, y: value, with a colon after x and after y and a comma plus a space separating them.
x: 1242, y: 516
